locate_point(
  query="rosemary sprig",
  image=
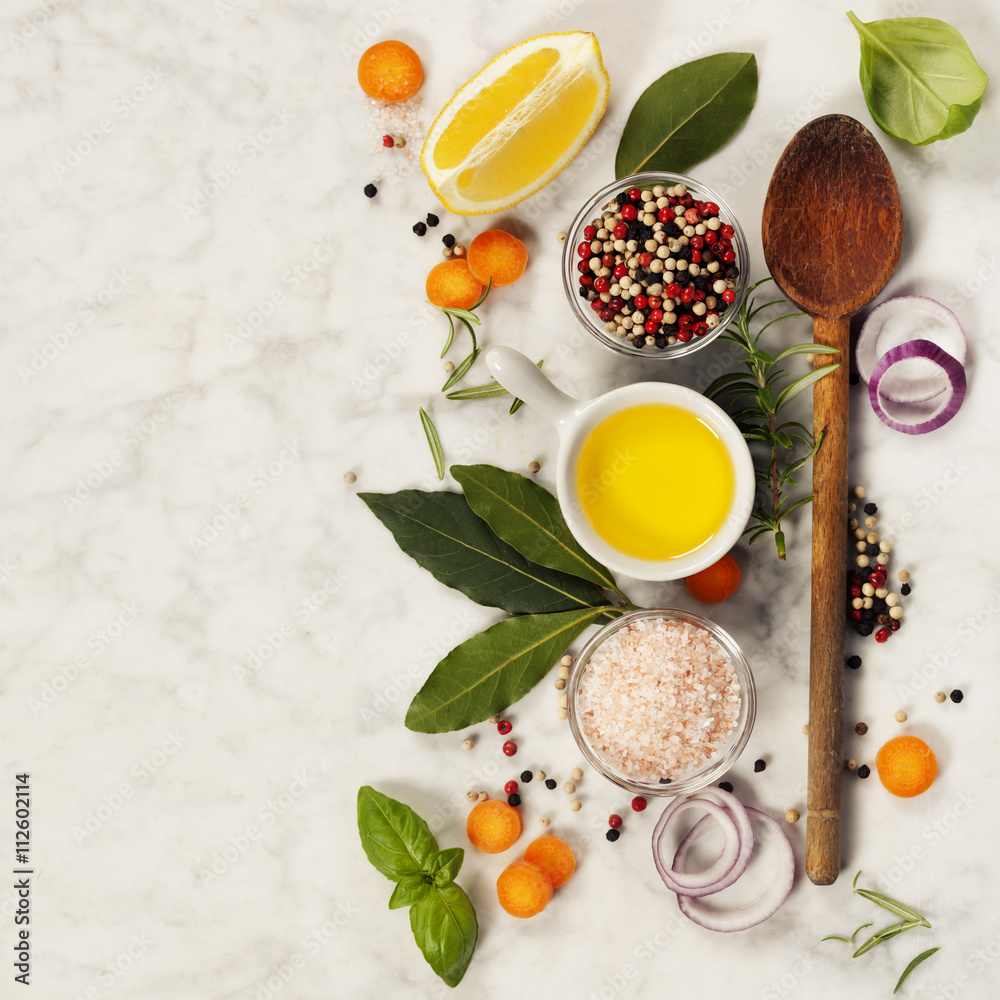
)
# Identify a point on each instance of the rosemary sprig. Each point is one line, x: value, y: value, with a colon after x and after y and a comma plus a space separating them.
x: 754, y: 396
x: 434, y: 440
x: 466, y: 317
x: 489, y: 391
x: 912, y: 920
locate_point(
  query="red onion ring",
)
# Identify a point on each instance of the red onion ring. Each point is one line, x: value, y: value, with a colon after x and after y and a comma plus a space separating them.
x: 952, y: 368
x: 729, y: 866
x: 898, y: 389
x: 766, y: 906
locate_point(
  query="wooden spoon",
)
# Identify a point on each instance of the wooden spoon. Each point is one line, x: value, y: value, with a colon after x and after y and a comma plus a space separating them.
x: 832, y: 232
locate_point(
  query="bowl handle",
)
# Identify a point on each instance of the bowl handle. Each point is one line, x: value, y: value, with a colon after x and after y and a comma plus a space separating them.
x: 520, y: 376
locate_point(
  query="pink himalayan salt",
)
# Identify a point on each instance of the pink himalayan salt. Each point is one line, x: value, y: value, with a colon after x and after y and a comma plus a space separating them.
x: 658, y: 699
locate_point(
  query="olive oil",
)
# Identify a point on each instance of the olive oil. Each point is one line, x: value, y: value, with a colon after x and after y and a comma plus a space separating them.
x: 655, y: 481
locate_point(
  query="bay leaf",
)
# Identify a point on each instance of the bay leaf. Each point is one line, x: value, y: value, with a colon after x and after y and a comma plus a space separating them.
x: 442, y: 533
x: 489, y: 672
x: 688, y: 114
x: 920, y: 79
x: 528, y: 517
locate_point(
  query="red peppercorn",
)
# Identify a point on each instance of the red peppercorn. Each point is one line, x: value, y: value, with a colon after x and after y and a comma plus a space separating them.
x: 645, y: 258
x: 686, y: 320
x: 700, y: 329
x: 695, y: 256
x: 638, y: 803
x: 608, y: 260
x: 586, y: 280
x: 876, y: 578
x: 635, y: 194
x: 656, y: 315
x: 651, y: 326
x: 511, y: 787
x: 597, y: 305
x: 673, y: 290
x: 620, y: 271
x: 583, y: 250
x: 504, y: 727
x: 589, y: 232
x: 691, y: 216
x: 710, y: 208
x: 665, y: 215
x: 696, y: 242
x: 606, y: 315
x: 616, y: 303
x: 687, y: 200
x: 854, y: 590
x: 620, y: 231
x: 699, y: 295
x: 728, y: 256
x: 894, y: 624
x: 387, y: 140
x: 729, y: 295
x: 510, y: 748
x: 655, y: 302
x: 727, y: 231
x: 629, y: 212
x: 640, y: 301
x: 882, y: 635
x: 614, y: 821
x: 601, y: 284
x: 687, y: 296
x: 583, y: 267
x: 854, y: 614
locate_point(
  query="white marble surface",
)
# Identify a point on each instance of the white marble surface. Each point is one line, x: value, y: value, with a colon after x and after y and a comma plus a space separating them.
x: 206, y: 323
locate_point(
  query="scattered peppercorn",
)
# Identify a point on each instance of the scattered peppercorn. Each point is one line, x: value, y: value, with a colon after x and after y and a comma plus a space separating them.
x: 539, y: 775
x: 859, y: 492
x: 882, y: 635
x: 725, y: 786
x: 561, y: 237
x: 472, y: 796
x: 576, y: 774
x: 905, y: 590
x: 865, y: 628
x: 805, y: 729
x: 758, y: 766
x: 614, y: 821
x: 903, y: 576
x: 568, y: 787
x: 526, y: 776
x: 871, y: 508
x: 864, y: 771
x: 576, y: 805
x: 940, y: 696
x: 544, y: 821
x: 504, y: 727
x: 399, y: 142
x: 432, y: 219
x: 561, y: 713
x: 550, y: 783
x: 482, y: 796
x: 467, y: 744
x: 666, y: 781
x: 370, y: 190
x: 493, y: 720
x: 534, y: 466
x: 638, y: 804
x: 420, y: 228
x: 792, y: 816
x: 510, y: 748
x: 448, y: 240
x: 510, y: 787
x: 567, y: 660
x: 854, y: 662
x: 387, y: 141
x: 350, y: 478
x: 861, y: 728
x: 900, y: 716
x: 957, y: 696
x: 613, y: 835
x: 559, y: 683
x: 513, y: 799
x: 458, y: 250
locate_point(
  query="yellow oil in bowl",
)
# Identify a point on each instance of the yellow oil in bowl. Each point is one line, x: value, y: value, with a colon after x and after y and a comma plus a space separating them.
x: 655, y: 481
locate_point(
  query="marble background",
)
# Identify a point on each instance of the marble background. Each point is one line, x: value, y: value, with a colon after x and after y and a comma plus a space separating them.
x: 208, y: 641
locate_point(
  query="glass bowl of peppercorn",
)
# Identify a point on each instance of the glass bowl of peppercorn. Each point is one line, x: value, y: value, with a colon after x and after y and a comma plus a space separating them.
x: 655, y: 265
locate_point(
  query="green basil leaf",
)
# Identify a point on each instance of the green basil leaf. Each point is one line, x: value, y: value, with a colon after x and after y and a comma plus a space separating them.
x: 527, y: 516
x: 920, y: 958
x: 444, y: 866
x: 489, y: 672
x: 688, y: 114
x: 395, y: 839
x: 410, y: 889
x: 444, y: 925
x: 920, y: 79
x: 440, y: 531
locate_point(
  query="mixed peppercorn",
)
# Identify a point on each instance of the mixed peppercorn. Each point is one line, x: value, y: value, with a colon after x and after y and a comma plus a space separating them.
x: 658, y: 266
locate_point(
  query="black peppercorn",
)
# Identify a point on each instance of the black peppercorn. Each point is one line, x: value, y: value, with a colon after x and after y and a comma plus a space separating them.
x: 550, y: 783
x: 873, y: 549
x: 420, y: 229
x: 871, y: 508
x: 370, y: 190
x: 448, y: 240
x: 613, y: 835
x: 854, y: 662
x: 905, y: 589
x: 725, y: 786
x: 758, y: 766
x: 432, y: 220
x: 864, y: 771
x: 956, y: 696
x: 666, y: 781
x: 584, y: 291
x: 865, y: 628
x: 622, y: 197
x: 514, y: 799
x: 526, y: 776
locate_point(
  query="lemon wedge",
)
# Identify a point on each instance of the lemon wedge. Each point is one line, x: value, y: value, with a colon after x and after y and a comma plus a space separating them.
x: 518, y: 122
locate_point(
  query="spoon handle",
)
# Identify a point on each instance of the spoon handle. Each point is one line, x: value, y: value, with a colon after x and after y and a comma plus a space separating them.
x: 829, y: 582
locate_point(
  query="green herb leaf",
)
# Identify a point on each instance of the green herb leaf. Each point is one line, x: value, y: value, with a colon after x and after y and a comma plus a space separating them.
x: 434, y: 441
x: 450, y: 338
x: 440, y: 531
x: 894, y: 906
x: 920, y: 79
x: 887, y: 934
x: 518, y: 403
x: 489, y: 672
x: 800, y: 384
x: 394, y: 838
x: 857, y: 932
x: 527, y: 516
x: 444, y: 926
x: 688, y: 113
x: 920, y: 958
x: 444, y: 866
x: 409, y: 889
x: 460, y: 369
x: 834, y: 937
x: 487, y: 391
